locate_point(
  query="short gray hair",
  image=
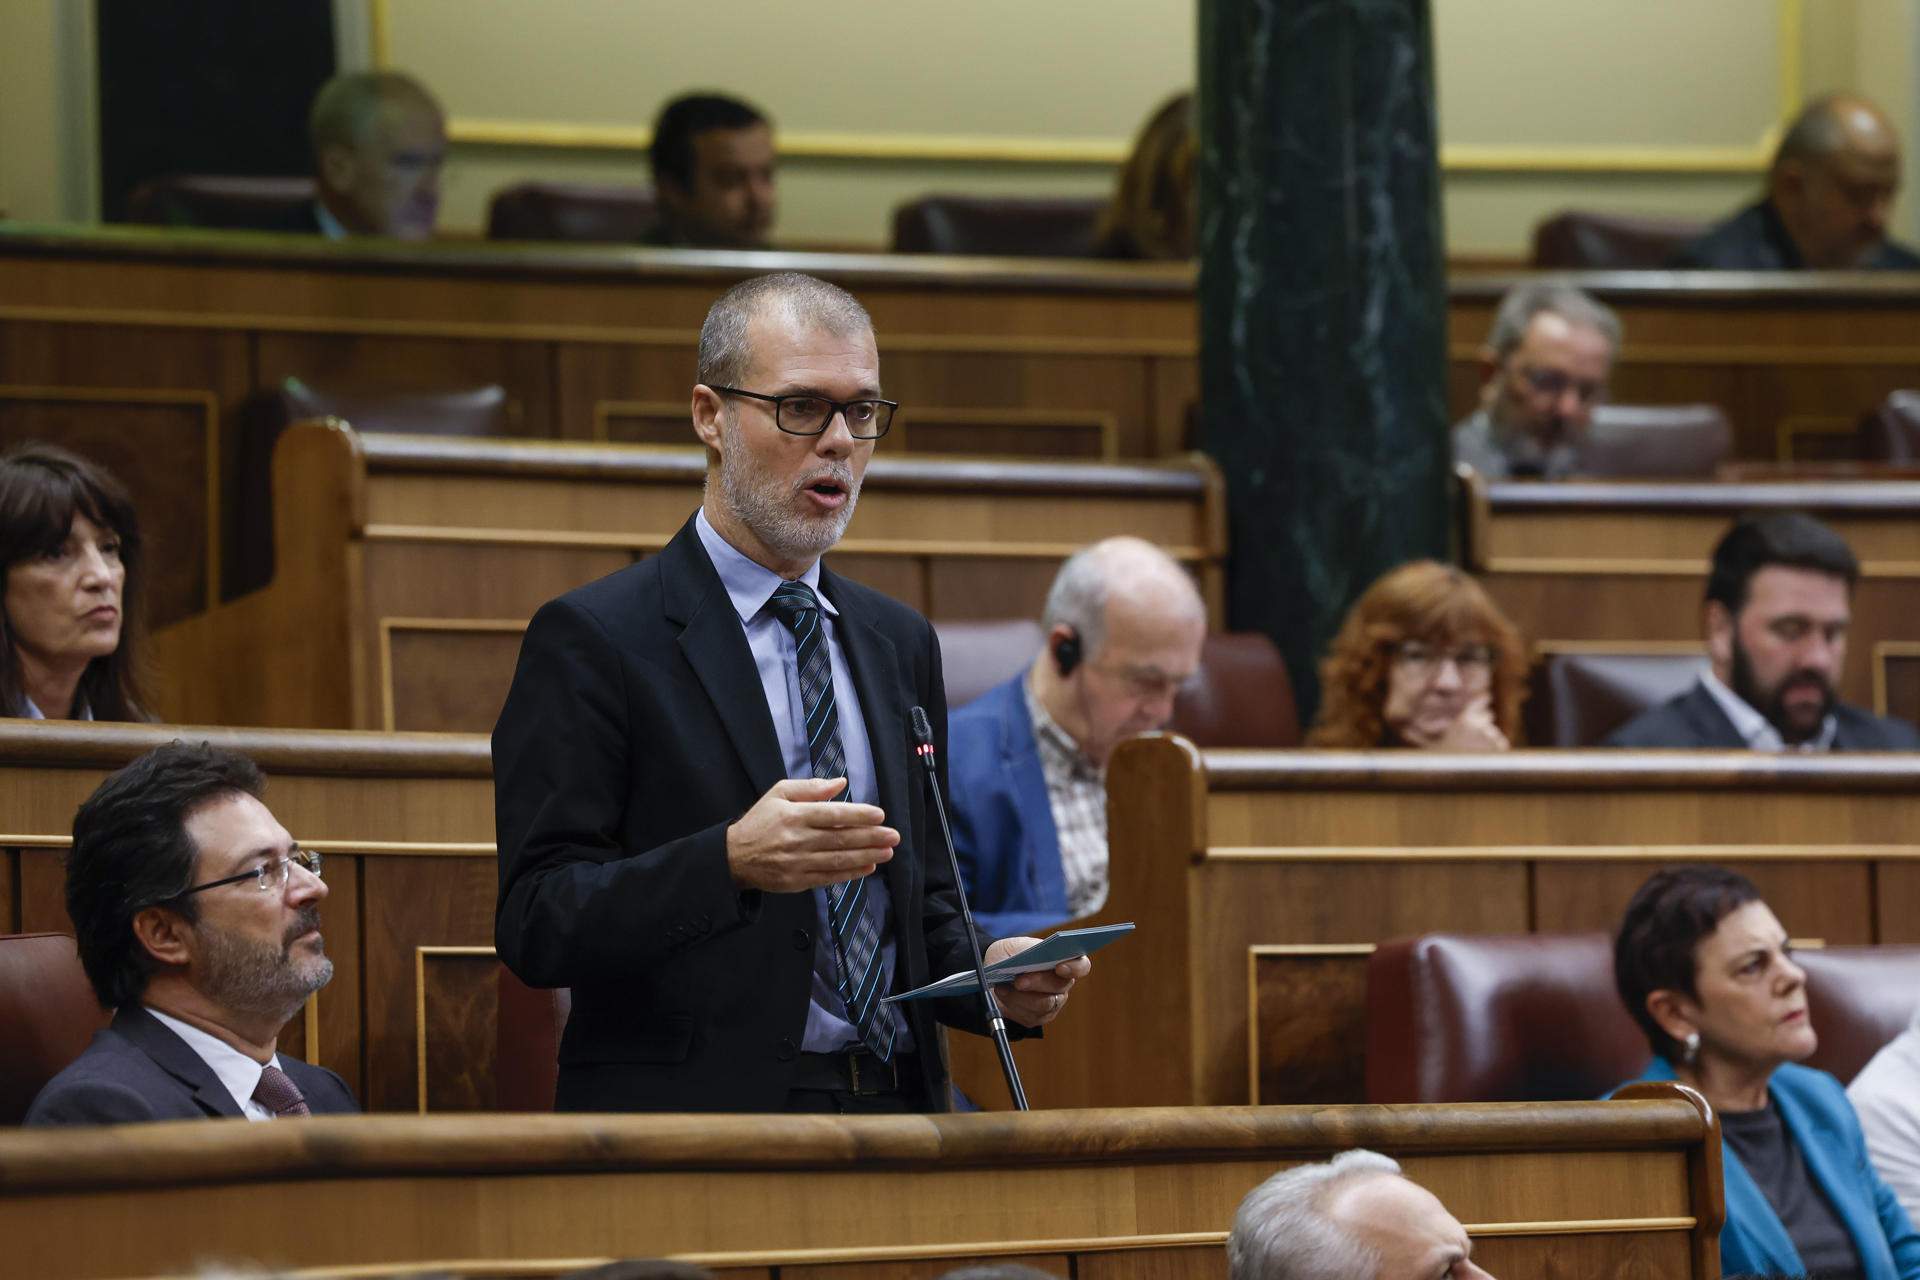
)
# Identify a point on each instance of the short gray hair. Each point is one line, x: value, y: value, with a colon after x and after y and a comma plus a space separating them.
x: 344, y: 110
x: 1087, y: 581
x: 1524, y: 302
x: 1281, y: 1231
x: 726, y: 353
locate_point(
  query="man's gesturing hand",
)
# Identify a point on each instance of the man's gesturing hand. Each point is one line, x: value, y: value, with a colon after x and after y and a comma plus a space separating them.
x: 797, y: 837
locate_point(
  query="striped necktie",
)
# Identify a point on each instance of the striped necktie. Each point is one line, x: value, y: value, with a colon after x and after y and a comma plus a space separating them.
x: 852, y: 922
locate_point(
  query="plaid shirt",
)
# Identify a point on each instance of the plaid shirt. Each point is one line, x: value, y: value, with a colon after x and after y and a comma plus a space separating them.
x: 1077, y: 793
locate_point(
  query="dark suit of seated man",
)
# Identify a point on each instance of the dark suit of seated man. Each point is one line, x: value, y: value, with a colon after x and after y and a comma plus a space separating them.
x: 1830, y: 191
x: 198, y: 920
x: 1778, y: 603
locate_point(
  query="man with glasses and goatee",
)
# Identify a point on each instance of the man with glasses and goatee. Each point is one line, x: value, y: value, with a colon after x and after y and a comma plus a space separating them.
x: 711, y: 823
x: 1544, y: 370
x: 197, y: 918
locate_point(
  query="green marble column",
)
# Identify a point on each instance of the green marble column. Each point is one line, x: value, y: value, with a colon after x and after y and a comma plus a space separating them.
x: 1322, y: 306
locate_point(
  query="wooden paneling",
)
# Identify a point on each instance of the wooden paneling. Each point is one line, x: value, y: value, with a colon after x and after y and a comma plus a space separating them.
x: 1316, y: 853
x: 1578, y: 1188
x: 391, y: 548
x: 456, y: 990
x: 1057, y: 1264
x: 1896, y: 679
x: 10, y: 891
x: 1628, y: 562
x: 1897, y: 902
x: 402, y: 363
x: 411, y: 903
x: 43, y: 892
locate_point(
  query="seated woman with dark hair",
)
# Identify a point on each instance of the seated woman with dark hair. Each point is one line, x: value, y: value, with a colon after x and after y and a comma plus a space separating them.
x: 1151, y: 214
x: 69, y: 628
x: 1424, y: 659
x: 1705, y: 969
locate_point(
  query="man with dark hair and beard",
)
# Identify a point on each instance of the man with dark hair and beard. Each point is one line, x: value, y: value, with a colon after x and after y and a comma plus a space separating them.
x: 197, y: 919
x: 710, y: 820
x: 1779, y: 600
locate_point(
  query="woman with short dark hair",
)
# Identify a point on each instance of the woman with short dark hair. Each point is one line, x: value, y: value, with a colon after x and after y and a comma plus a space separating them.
x: 1706, y: 970
x: 74, y: 580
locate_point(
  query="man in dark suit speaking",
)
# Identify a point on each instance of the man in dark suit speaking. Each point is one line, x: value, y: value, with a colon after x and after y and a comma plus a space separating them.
x: 710, y: 824
x: 197, y: 918
x: 1779, y: 601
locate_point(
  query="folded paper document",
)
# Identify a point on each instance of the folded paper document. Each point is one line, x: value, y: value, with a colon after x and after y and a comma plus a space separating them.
x: 1048, y: 952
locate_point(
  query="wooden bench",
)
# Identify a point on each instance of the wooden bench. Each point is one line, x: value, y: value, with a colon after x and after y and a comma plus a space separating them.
x: 1260, y: 882
x: 405, y: 821
x: 1627, y: 564
x: 407, y: 566
x: 1609, y: 1190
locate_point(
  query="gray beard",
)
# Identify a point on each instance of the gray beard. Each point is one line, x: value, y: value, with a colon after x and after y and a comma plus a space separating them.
x: 765, y: 505
x: 258, y: 977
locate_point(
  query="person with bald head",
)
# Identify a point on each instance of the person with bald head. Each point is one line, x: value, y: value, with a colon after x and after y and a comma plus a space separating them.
x: 379, y: 139
x: 1124, y: 624
x: 1830, y: 193
x: 1356, y: 1217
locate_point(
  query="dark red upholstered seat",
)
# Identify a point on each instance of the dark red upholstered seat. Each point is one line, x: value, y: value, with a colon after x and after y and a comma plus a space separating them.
x: 1536, y: 1017
x: 1578, y: 240
x: 583, y: 212
x: 1580, y: 697
x: 48, y: 1013
x: 998, y: 226
x: 230, y: 202
x: 1655, y: 440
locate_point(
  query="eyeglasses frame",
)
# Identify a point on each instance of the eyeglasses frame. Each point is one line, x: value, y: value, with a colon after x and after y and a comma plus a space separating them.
x: 839, y: 409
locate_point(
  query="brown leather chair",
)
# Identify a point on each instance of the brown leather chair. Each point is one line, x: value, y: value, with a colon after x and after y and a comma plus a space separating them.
x: 976, y: 656
x: 1536, y: 1017
x: 1891, y: 433
x: 526, y: 1047
x: 1655, y: 440
x: 1242, y: 696
x: 583, y: 212
x: 998, y: 226
x: 1860, y: 998
x: 1585, y: 241
x: 1579, y: 698
x: 230, y: 202
x: 48, y: 1013
x: 459, y: 411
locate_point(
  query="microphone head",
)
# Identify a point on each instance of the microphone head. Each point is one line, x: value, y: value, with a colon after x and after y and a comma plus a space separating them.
x: 922, y: 730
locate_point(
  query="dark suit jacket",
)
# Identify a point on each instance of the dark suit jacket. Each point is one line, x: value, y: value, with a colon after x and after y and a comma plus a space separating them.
x: 1755, y: 239
x: 635, y: 732
x: 138, y: 1069
x: 1694, y: 719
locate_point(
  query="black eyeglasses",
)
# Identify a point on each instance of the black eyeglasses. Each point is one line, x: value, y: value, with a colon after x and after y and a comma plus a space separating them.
x: 808, y: 415
x: 268, y: 877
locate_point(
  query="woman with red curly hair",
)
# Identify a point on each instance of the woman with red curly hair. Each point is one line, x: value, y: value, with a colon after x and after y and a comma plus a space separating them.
x: 1424, y: 659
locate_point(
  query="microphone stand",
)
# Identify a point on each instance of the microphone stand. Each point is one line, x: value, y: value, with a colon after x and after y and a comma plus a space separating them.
x: 923, y: 739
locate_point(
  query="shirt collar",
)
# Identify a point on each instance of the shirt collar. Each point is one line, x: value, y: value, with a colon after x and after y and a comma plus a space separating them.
x: 749, y: 583
x: 330, y: 227
x: 1048, y: 732
x: 31, y: 712
x: 1755, y: 729
x: 239, y: 1073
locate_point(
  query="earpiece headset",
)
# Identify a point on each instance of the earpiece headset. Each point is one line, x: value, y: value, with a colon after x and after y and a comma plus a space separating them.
x: 1066, y: 653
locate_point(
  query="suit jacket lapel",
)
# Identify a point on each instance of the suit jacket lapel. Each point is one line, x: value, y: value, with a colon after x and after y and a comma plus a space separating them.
x: 715, y: 646
x: 153, y: 1038
x: 1710, y: 722
x: 876, y: 676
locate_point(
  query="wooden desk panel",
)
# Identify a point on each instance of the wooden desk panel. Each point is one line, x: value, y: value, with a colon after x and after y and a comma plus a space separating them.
x: 1595, y: 1189
x: 1628, y: 562
x: 403, y: 554
x: 1297, y: 862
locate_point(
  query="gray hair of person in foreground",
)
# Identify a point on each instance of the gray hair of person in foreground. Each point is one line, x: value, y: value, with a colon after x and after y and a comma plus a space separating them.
x: 1525, y: 301
x: 726, y: 353
x: 1281, y: 1231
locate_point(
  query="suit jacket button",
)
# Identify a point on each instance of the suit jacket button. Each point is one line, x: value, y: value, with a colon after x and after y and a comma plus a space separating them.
x: 788, y: 1050
x: 802, y: 940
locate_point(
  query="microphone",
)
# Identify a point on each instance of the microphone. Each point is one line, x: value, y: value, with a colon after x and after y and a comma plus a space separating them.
x: 923, y: 747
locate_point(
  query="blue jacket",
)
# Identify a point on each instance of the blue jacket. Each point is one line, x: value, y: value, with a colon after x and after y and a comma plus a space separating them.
x: 1821, y: 1122
x: 1002, y: 819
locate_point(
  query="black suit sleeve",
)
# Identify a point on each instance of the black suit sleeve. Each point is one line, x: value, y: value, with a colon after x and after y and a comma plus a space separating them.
x: 575, y: 903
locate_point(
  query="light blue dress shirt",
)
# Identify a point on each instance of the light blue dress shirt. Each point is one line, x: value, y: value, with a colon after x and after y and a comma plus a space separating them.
x: 749, y: 586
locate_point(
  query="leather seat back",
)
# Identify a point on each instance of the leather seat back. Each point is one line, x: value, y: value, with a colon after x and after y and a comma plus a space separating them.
x: 1655, y: 440
x: 998, y: 226
x: 224, y: 201
x: 582, y: 212
x: 1578, y: 697
x: 1578, y: 240
x: 48, y: 1013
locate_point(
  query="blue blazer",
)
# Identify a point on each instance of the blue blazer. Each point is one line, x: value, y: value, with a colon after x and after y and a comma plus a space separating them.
x: 1822, y: 1124
x: 1002, y: 820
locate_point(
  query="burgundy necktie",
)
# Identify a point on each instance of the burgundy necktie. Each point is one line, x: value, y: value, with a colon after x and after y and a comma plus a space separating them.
x: 279, y: 1094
